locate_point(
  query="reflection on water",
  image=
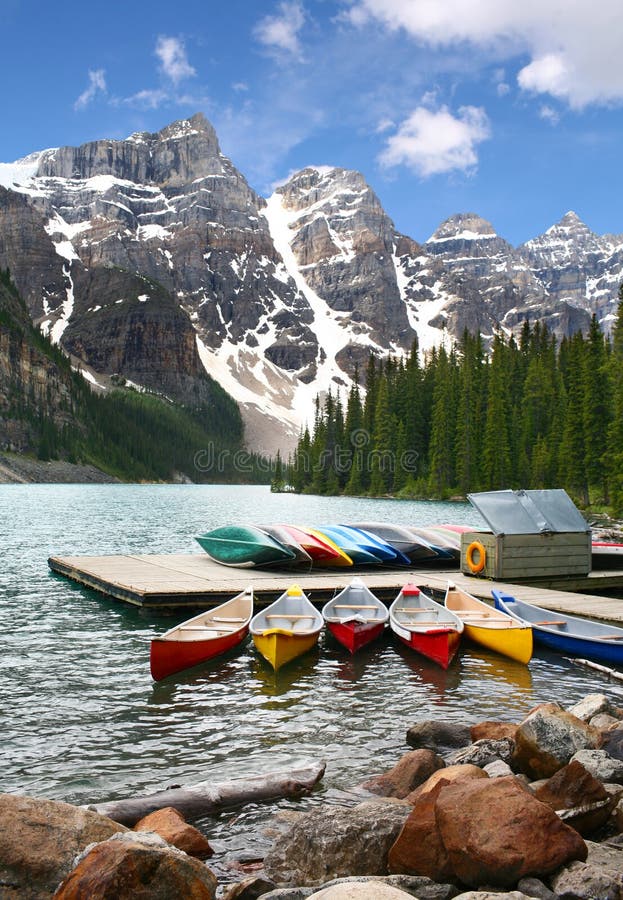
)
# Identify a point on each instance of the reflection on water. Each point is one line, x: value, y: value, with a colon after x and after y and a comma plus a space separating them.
x: 295, y: 674
x: 83, y: 721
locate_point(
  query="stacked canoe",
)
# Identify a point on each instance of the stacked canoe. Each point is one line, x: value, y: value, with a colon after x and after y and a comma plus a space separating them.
x: 361, y: 544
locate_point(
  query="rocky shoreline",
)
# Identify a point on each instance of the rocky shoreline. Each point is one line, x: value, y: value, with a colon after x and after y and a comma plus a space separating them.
x: 19, y: 469
x: 497, y: 810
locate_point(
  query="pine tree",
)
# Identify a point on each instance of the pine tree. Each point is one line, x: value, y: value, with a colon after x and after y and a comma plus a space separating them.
x: 597, y: 410
x: 497, y: 467
x: 443, y: 427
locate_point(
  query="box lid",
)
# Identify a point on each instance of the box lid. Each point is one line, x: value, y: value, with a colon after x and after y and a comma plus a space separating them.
x: 529, y: 512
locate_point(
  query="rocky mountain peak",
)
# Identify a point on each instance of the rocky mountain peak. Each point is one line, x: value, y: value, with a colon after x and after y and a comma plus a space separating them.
x: 325, y: 186
x: 182, y: 152
x: 464, y: 227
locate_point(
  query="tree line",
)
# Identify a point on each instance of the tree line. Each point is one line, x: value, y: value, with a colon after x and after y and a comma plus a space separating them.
x: 525, y: 412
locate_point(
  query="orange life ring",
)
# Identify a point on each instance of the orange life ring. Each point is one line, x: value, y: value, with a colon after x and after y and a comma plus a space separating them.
x: 478, y: 566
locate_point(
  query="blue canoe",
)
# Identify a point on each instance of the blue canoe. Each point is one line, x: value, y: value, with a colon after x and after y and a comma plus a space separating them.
x: 354, y: 543
x: 566, y: 634
x: 379, y: 546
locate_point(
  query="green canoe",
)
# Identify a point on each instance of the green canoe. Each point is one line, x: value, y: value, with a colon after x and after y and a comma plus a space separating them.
x: 244, y: 545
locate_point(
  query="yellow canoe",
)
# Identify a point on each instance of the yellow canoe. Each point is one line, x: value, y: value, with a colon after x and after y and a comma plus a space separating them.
x: 489, y: 627
x: 341, y: 559
x: 287, y: 628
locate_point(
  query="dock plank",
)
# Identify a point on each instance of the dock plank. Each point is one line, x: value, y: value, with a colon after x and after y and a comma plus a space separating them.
x: 190, y: 580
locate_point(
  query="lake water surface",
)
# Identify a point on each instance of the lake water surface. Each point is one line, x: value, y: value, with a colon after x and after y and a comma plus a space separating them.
x: 82, y: 720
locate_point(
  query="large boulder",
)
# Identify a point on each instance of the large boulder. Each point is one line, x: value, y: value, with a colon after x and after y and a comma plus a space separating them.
x: 408, y: 773
x: 39, y: 840
x: 174, y: 829
x: 419, y: 849
x: 547, y: 739
x: 587, y: 804
x: 331, y: 842
x: 495, y: 832
x: 449, y: 774
x: 438, y: 736
x: 137, y: 866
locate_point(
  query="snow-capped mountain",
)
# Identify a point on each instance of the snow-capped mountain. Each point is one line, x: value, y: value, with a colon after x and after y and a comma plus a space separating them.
x: 153, y: 259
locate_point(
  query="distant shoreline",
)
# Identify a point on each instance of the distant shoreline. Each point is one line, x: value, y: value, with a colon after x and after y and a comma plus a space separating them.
x: 16, y: 469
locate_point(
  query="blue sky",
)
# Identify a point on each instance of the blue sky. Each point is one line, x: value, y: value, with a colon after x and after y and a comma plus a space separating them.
x: 509, y: 109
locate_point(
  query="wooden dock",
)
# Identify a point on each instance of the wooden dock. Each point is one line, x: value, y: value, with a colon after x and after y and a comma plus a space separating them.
x: 177, y: 581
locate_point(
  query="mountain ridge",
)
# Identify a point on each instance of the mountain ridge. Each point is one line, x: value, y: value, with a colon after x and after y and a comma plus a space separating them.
x: 152, y: 258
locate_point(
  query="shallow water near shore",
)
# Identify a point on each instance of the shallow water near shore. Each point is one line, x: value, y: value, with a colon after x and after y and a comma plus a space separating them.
x: 82, y: 721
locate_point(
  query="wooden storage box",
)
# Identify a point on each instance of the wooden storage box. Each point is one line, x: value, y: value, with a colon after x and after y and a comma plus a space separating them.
x: 519, y: 557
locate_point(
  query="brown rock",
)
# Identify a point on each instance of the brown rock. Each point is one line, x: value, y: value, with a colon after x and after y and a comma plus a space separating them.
x: 409, y: 772
x: 173, y: 828
x: 39, y: 840
x: 493, y: 731
x: 547, y: 739
x: 249, y: 889
x: 575, y: 790
x: 419, y: 849
x: 449, y: 774
x: 495, y: 832
x: 137, y: 867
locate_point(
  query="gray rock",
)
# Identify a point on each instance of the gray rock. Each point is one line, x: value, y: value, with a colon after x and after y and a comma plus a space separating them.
x: 411, y: 885
x: 582, y: 881
x: 605, y: 722
x: 331, y: 842
x: 481, y: 753
x: 438, y: 736
x: 601, y: 765
x: 497, y: 769
x: 534, y: 887
x: 590, y: 706
x: 493, y: 895
x: 547, y: 739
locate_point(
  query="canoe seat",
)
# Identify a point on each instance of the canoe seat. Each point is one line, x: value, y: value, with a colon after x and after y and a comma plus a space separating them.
x: 553, y: 622
x: 284, y: 616
x: 226, y: 619
x: 609, y: 637
x: 353, y: 606
x: 414, y: 610
x: 205, y: 628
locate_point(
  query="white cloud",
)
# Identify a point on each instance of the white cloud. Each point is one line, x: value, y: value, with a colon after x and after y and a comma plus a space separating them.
x: 432, y: 142
x: 280, y: 32
x: 147, y: 99
x: 573, y: 46
x: 97, y: 84
x: 173, y: 60
x: 548, y: 114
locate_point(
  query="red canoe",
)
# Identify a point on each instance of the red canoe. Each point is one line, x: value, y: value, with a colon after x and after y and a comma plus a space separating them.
x: 321, y: 551
x: 425, y: 626
x: 355, y: 616
x: 202, y: 637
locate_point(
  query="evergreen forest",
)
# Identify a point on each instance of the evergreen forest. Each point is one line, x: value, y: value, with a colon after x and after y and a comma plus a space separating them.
x: 525, y: 412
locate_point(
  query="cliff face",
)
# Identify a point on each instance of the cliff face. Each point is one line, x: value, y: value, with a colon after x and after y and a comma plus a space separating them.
x: 152, y: 258
x: 30, y: 380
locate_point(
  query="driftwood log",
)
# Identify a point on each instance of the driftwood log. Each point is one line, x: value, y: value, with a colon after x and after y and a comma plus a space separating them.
x: 589, y: 664
x: 211, y: 796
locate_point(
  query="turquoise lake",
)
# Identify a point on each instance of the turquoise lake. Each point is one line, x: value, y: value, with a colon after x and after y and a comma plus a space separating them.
x: 82, y: 720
